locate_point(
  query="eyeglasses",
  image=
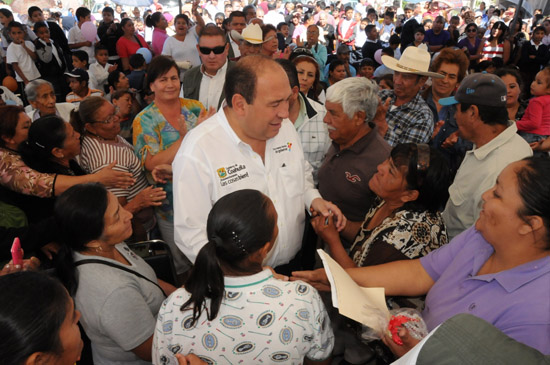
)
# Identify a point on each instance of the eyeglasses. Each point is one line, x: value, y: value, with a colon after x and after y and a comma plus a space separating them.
x: 111, y: 118
x: 216, y: 50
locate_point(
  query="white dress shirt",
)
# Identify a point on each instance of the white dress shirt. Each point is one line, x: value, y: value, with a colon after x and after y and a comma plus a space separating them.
x: 213, y: 161
x: 211, y: 87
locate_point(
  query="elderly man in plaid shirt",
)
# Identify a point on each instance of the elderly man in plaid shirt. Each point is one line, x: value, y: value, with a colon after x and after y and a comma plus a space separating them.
x: 403, y: 116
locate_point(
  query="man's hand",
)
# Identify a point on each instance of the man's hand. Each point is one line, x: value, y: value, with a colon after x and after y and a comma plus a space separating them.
x: 437, y: 127
x: 380, y: 116
x: 326, y: 209
x: 49, y: 249
x: 408, y: 342
x: 450, y: 141
x: 162, y: 173
x: 543, y: 145
x: 316, y: 278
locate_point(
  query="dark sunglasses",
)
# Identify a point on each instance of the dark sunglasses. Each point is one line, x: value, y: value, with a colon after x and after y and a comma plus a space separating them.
x: 216, y: 50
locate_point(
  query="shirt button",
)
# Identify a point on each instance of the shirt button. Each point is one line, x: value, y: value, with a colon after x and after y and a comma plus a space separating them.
x: 472, y: 307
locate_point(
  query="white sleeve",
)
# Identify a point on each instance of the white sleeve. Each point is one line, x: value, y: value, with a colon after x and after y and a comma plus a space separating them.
x: 310, y: 193
x: 71, y: 39
x: 8, y: 95
x: 192, y: 203
x: 11, y: 55
x: 167, y: 49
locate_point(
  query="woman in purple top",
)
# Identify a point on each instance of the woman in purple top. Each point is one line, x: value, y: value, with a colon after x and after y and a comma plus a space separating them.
x: 159, y: 22
x: 471, y: 43
x: 498, y: 270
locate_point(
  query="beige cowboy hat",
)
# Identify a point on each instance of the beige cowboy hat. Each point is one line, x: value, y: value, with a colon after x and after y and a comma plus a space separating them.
x: 252, y: 34
x: 414, y: 60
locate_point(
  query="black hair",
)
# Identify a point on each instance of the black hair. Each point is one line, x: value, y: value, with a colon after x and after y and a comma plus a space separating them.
x: 81, y: 55
x: 332, y: 66
x: 213, y: 31
x: 347, y: 8
x: 388, y: 78
x: 291, y: 72
x: 99, y: 47
x: 153, y: 19
x: 82, y: 12
x: 502, y: 26
x: 491, y: 115
x: 395, y: 39
x: 388, y: 51
x: 15, y: 24
x: 45, y: 134
x: 39, y: 25
x: 407, y: 33
x: 238, y: 225
x: 32, y: 9
x: 113, y: 78
x: 503, y: 71
x: 432, y: 184
x: 534, y: 191
x: 420, y: 30
x: 33, y: 307
x: 281, y: 25
x: 79, y: 216
x: 9, y: 121
x: 367, y: 62
x: 182, y: 16
x: 159, y: 66
x: 86, y: 112
x: 109, y: 10
x: 6, y: 12
x: 137, y: 60
x: 539, y: 28
x: 237, y: 14
x: 369, y: 27
x: 124, y: 21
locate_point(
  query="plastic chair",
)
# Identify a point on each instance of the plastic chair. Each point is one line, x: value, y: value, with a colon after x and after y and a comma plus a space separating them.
x: 158, y: 255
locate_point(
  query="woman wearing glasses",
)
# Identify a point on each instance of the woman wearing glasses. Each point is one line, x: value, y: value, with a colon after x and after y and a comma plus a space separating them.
x: 98, y: 122
x: 158, y: 132
x: 471, y: 43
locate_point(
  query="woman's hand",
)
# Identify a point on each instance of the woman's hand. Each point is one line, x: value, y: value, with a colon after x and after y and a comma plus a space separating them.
x: 326, y: 209
x: 162, y: 173
x: 114, y: 179
x: 543, y: 145
x: 324, y: 227
x: 316, y: 278
x: 30, y: 264
x: 408, y: 342
x: 204, y: 115
x: 49, y: 249
x: 450, y: 141
x: 150, y: 197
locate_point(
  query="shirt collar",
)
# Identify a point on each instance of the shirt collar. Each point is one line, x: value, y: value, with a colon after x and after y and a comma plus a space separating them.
x: 236, y: 282
x: 483, y: 151
x: 361, y: 143
x: 221, y: 71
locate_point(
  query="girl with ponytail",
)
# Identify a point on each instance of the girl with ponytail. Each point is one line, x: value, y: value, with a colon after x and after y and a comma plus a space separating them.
x: 230, y: 301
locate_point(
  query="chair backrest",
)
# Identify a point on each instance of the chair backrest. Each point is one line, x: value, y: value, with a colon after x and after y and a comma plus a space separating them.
x: 158, y: 255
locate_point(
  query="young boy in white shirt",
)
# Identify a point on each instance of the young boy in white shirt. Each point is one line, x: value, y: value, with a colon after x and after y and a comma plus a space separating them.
x: 76, y: 39
x: 20, y: 55
x: 100, y: 70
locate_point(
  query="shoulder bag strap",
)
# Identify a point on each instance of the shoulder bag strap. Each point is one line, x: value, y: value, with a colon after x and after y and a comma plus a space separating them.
x: 96, y: 261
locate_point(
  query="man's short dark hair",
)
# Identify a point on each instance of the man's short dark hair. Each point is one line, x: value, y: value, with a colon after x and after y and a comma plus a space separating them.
x: 82, y: 12
x: 281, y: 25
x: 236, y: 14
x: 243, y: 78
x: 347, y: 8
x: 137, y: 60
x: 212, y: 31
x: 408, y: 8
x: 369, y: 27
x: 291, y: 72
x: 32, y: 9
x: 491, y: 115
x: 395, y: 39
x: 108, y: 9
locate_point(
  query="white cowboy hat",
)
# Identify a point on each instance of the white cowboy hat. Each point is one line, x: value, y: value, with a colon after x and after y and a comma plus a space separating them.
x: 414, y: 60
x: 252, y: 34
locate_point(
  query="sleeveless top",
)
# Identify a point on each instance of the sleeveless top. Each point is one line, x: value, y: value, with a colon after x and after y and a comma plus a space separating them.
x: 492, y: 52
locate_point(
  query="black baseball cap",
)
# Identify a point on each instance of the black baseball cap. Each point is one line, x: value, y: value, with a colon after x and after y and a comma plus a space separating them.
x: 78, y: 73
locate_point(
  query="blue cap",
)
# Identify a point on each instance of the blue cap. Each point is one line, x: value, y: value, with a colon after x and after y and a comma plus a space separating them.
x: 479, y: 89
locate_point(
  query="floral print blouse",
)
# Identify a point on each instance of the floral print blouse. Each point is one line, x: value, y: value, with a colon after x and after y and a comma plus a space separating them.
x: 17, y: 176
x: 153, y: 134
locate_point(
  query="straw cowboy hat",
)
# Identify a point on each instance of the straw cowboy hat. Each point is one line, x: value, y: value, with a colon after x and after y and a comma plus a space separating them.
x: 414, y: 60
x: 252, y: 34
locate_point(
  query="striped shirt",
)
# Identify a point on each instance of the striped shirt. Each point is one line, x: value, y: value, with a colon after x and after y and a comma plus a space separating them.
x: 492, y: 52
x: 96, y: 154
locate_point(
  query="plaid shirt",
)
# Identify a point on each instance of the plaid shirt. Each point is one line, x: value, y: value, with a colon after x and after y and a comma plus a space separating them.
x: 314, y: 133
x: 411, y: 122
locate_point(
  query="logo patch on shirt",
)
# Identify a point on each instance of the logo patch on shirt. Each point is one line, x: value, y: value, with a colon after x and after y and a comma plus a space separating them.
x: 231, y: 174
x: 284, y: 148
x: 352, y: 178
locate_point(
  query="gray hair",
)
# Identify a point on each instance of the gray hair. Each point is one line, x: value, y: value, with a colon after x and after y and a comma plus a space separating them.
x: 32, y: 87
x: 355, y: 94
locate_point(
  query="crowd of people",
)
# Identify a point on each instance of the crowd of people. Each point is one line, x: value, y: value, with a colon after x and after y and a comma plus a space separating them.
x: 410, y: 143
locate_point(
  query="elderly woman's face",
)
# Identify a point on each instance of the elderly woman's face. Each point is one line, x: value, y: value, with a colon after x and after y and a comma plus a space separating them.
x: 167, y: 87
x: 117, y: 222
x: 106, y: 124
x: 390, y: 181
x: 499, y: 219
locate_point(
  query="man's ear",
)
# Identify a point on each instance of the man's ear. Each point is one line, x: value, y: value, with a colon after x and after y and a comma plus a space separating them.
x: 37, y: 358
x: 239, y: 104
x: 359, y: 117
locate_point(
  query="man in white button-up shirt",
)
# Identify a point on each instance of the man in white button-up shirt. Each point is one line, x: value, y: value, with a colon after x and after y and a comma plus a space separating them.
x: 247, y: 145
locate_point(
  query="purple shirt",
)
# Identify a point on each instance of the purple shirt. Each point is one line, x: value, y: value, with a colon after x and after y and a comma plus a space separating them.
x: 436, y: 40
x: 516, y: 301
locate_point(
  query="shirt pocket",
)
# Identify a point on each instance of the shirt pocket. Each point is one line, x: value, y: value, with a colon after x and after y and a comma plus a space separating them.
x: 291, y: 178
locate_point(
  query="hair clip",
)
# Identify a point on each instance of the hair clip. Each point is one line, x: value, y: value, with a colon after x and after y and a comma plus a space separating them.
x: 238, y: 242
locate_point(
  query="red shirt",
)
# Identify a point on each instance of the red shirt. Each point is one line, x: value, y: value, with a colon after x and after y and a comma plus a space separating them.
x: 125, y: 47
